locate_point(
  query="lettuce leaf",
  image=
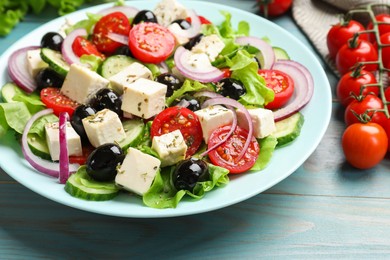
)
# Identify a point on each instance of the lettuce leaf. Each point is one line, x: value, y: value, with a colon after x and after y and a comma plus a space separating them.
x: 13, y: 115
x: 86, y: 24
x: 267, y: 147
x: 188, y: 86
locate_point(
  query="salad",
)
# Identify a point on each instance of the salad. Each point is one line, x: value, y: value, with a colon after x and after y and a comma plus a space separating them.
x: 161, y: 103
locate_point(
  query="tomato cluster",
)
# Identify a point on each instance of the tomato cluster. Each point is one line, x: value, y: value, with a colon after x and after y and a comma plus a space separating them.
x: 363, y: 63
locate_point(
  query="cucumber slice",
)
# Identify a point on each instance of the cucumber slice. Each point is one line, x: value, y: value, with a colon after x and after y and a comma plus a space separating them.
x: 82, y: 186
x: 114, y: 64
x: 55, y: 61
x: 8, y: 92
x: 38, y: 146
x: 280, y: 54
x: 288, y: 129
x: 134, y: 129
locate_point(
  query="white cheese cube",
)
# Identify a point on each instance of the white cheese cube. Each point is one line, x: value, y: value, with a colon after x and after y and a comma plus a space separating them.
x: 128, y: 75
x: 144, y: 98
x: 213, y: 117
x: 81, y: 84
x: 211, y: 45
x: 103, y: 127
x: 262, y: 119
x: 53, y: 140
x: 174, y: 28
x: 168, y: 11
x: 137, y: 172
x: 199, y: 62
x: 35, y: 62
x: 170, y: 147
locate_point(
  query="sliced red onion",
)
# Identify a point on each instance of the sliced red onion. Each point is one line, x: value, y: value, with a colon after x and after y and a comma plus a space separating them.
x: 205, y: 74
x: 233, y: 103
x: 183, y: 103
x: 208, y: 94
x: 129, y: 11
x: 265, y: 49
x: 64, y: 155
x: 43, y: 166
x: 18, y: 71
x: 193, y: 30
x: 163, y: 67
x: 67, y: 51
x: 116, y: 37
x: 303, y: 84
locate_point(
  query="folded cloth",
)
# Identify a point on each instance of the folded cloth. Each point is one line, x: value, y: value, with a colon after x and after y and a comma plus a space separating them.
x: 315, y: 18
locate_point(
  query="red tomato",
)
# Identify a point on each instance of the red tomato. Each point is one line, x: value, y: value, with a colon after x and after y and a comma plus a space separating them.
x: 274, y: 7
x: 226, y: 72
x: 82, y: 46
x: 350, y: 54
x: 151, y: 42
x: 387, y: 96
x: 115, y: 22
x: 339, y: 35
x: 53, y: 98
x: 383, y: 28
x: 202, y: 19
x: 364, y: 145
x: 82, y: 159
x: 386, y: 127
x: 181, y: 118
x: 281, y: 84
x: 385, y: 39
x: 361, y: 107
x: 352, y: 82
x: 226, y: 154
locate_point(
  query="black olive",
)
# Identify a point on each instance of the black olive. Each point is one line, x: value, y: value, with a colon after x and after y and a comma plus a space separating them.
x: 123, y: 50
x: 103, y: 162
x: 189, y: 102
x: 107, y: 98
x: 193, y: 41
x: 258, y: 62
x: 172, y: 82
x: 188, y: 172
x: 232, y: 88
x: 81, y: 112
x: 144, y: 16
x: 48, y: 78
x: 52, y: 40
x: 184, y: 24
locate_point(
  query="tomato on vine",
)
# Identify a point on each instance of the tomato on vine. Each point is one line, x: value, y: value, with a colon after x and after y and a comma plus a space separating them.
x: 365, y: 108
x: 383, y: 21
x: 274, y: 7
x: 385, y: 40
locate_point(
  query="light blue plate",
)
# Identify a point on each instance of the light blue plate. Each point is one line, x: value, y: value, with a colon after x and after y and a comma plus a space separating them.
x: 284, y: 162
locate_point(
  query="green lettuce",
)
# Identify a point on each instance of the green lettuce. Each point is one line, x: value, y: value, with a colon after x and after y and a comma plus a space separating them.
x: 13, y: 115
x: 32, y: 101
x: 93, y: 61
x: 267, y: 147
x: 188, y: 86
x: 86, y: 24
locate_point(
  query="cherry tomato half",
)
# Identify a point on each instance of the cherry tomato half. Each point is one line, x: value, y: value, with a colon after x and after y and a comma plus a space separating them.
x: 116, y: 22
x: 282, y: 85
x: 339, y: 34
x: 364, y: 145
x: 226, y: 154
x: 181, y: 118
x: 82, y: 46
x: 274, y: 7
x: 151, y: 42
x: 363, y: 106
x: 202, y: 19
x: 82, y: 159
x: 383, y: 28
x: 54, y: 99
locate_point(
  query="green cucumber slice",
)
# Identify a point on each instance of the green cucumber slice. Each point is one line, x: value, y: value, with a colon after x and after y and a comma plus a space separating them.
x: 114, y: 64
x: 134, y: 129
x: 80, y: 185
x: 38, y: 146
x: 55, y: 61
x: 288, y: 129
x: 280, y: 54
x: 8, y: 92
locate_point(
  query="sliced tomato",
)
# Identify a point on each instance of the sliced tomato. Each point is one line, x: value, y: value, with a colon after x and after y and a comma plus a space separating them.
x: 116, y: 22
x: 151, y: 42
x: 226, y: 154
x: 202, y: 19
x: 226, y: 72
x: 82, y: 159
x: 179, y: 118
x: 54, y: 99
x: 82, y: 46
x: 282, y: 85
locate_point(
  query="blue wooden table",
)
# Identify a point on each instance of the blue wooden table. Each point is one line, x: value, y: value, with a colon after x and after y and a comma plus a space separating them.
x: 326, y: 209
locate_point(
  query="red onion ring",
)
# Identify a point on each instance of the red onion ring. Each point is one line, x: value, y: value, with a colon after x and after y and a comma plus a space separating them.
x: 67, y: 51
x: 64, y: 155
x: 120, y: 38
x: 129, y: 11
x: 17, y: 69
x: 43, y: 166
x: 303, y: 83
x: 163, y: 67
x: 265, y: 49
x: 239, y: 106
x: 208, y: 74
x: 193, y: 30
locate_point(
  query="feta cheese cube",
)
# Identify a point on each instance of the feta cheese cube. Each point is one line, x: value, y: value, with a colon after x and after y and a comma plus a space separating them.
x: 174, y: 28
x: 103, y: 127
x: 168, y: 11
x: 81, y: 84
x: 53, y: 140
x: 199, y: 62
x: 170, y: 147
x: 144, y: 98
x: 211, y: 45
x: 262, y: 119
x: 128, y: 75
x: 137, y: 172
x: 35, y: 62
x: 213, y: 117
